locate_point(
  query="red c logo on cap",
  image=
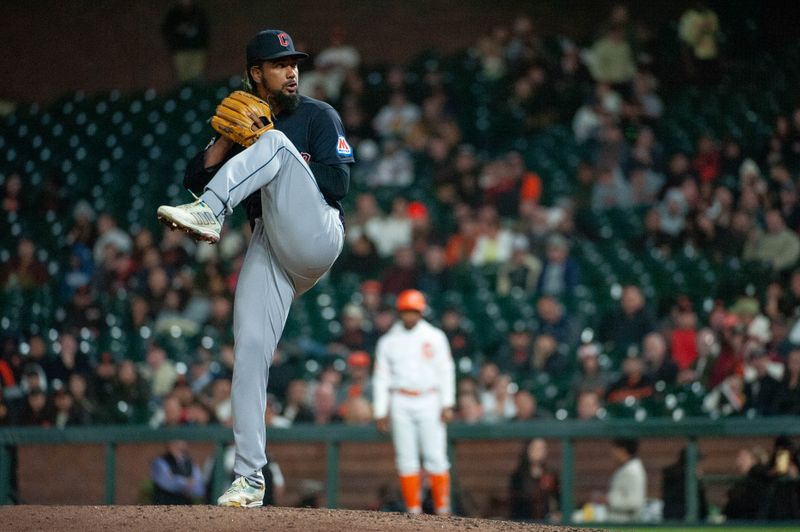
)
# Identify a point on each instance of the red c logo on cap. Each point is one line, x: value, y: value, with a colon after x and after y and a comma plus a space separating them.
x: 283, y: 39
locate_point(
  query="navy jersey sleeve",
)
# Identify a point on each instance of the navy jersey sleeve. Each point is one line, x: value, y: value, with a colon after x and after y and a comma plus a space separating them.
x: 328, y: 144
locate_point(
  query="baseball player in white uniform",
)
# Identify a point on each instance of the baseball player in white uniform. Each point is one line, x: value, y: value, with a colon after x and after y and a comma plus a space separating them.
x: 414, y: 387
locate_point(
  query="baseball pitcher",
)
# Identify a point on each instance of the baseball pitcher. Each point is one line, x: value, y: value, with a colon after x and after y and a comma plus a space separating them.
x: 414, y: 386
x: 286, y: 157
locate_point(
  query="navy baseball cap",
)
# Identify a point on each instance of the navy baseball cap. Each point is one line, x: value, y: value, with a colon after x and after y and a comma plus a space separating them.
x: 268, y: 45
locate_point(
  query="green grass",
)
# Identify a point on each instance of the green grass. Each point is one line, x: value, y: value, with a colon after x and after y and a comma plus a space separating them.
x: 734, y: 528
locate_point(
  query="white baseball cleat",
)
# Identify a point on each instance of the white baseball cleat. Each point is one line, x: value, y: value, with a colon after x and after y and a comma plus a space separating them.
x: 196, y: 218
x: 242, y: 495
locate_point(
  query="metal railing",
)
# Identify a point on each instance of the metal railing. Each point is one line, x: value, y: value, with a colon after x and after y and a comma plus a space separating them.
x: 333, y: 436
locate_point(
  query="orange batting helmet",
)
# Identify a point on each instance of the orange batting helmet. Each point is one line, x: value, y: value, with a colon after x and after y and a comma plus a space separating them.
x: 411, y: 300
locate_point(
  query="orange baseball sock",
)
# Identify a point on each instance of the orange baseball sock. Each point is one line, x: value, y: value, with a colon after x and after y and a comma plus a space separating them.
x: 410, y: 486
x: 440, y: 490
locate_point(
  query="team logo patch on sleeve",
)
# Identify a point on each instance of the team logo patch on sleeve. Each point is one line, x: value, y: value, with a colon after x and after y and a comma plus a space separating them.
x: 343, y: 148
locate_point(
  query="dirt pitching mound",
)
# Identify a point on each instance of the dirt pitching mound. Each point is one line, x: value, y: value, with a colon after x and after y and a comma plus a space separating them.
x: 202, y: 518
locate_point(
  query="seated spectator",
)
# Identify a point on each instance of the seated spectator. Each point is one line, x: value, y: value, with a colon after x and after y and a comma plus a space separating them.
x: 610, y: 190
x: 526, y: 407
x: 516, y: 353
x: 469, y: 408
x: 324, y: 405
x: 66, y: 412
x: 355, y: 334
x: 522, y: 269
x: 395, y: 167
x: 683, y: 337
x: 461, y: 244
x: 627, y: 492
x: 744, y: 497
x: 77, y: 389
x: 633, y: 382
x: 673, y: 491
x: 497, y: 402
x: 534, y: 489
x: 588, y: 405
x: 25, y: 270
x: 402, y: 274
x: 762, y: 390
x: 356, y: 410
x: 780, y: 502
x: 435, y: 277
x: 296, y: 408
x: 727, y: 398
x: 611, y: 59
x: 36, y: 410
x: 397, y: 118
x: 626, y: 327
x: 779, y: 247
x: 160, y: 372
x: 358, y: 381
x: 177, y: 480
x: 553, y: 321
x: 493, y: 245
x: 699, y: 32
x: 789, y: 390
x: 547, y: 357
x: 590, y: 377
x: 461, y: 344
x: 108, y: 234
x: 130, y: 394
x: 658, y: 365
x: 560, y: 273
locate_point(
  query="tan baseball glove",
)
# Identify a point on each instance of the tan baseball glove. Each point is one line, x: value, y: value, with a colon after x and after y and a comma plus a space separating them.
x: 242, y: 117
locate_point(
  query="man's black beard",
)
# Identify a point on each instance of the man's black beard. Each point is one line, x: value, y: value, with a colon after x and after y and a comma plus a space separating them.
x: 286, y: 102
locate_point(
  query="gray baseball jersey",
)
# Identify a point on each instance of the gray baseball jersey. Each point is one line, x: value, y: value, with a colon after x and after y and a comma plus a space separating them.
x: 296, y: 240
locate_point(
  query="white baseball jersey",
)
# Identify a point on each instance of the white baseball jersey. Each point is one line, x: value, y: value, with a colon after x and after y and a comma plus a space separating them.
x: 416, y: 360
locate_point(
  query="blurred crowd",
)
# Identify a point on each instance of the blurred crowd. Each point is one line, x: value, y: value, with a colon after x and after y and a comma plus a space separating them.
x: 485, y: 212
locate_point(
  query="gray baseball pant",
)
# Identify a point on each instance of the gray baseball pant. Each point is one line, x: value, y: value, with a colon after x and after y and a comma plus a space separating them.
x: 298, y: 241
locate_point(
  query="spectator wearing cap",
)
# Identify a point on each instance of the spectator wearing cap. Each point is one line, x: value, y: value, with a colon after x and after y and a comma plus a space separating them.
x: 358, y: 381
x: 591, y: 376
x: 521, y: 271
x: 560, y: 274
x: 779, y: 247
